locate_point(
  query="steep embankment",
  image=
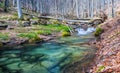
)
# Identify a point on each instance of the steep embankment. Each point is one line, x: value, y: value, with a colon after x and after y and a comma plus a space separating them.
x: 108, y: 55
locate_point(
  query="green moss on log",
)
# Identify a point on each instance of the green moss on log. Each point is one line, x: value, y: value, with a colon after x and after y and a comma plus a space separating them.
x: 98, y: 32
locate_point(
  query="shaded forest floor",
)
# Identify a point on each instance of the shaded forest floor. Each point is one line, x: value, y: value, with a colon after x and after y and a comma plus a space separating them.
x: 108, y: 56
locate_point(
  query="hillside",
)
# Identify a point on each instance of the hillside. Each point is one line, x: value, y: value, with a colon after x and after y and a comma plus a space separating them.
x: 108, y: 55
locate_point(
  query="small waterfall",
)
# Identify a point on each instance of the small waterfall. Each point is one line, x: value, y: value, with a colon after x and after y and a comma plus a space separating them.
x: 82, y: 31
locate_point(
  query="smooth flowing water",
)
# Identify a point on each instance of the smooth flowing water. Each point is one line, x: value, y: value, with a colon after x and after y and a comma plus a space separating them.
x: 49, y: 57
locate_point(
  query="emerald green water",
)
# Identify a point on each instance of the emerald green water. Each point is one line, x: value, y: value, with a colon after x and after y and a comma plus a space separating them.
x: 49, y: 57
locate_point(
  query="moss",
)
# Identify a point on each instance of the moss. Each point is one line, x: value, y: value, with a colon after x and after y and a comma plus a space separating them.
x: 52, y: 27
x: 101, y: 68
x: 98, y: 32
x: 4, y: 36
x: 28, y: 35
x: 33, y: 37
x: 37, y: 30
x: 35, y: 18
x: 54, y: 22
x: 15, y: 14
x: 1, y: 5
x: 13, y: 18
x: 65, y: 34
x: 33, y: 40
x: 44, y: 32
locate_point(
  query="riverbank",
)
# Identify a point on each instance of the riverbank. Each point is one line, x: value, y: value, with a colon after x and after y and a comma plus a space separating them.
x: 29, y: 30
x: 108, y: 55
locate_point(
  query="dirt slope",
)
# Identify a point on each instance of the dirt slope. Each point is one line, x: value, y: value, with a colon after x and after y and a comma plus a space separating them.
x: 108, y: 56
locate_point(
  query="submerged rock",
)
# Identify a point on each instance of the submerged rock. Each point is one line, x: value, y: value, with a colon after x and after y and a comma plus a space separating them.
x: 50, y: 57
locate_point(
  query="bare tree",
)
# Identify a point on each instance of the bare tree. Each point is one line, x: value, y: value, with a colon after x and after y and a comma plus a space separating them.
x: 19, y: 8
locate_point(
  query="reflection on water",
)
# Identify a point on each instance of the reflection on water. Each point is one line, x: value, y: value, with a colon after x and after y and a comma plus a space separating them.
x: 49, y: 57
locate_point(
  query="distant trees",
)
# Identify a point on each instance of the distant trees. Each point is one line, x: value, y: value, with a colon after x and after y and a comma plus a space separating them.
x: 6, y: 5
x: 78, y: 8
x: 14, y: 3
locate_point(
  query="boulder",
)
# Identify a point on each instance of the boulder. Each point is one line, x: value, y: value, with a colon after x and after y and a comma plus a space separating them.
x: 34, y: 22
x: 25, y: 23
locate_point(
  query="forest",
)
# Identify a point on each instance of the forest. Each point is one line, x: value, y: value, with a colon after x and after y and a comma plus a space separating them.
x: 59, y: 36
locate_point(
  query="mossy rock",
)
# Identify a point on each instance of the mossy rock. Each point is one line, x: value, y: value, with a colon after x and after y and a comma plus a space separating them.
x: 33, y: 37
x: 65, y: 34
x: 31, y: 41
x: 34, y: 40
x: 98, y: 32
x: 43, y: 22
x: 4, y: 36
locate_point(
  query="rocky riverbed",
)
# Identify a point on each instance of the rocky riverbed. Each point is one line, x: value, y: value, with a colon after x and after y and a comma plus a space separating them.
x: 55, y: 56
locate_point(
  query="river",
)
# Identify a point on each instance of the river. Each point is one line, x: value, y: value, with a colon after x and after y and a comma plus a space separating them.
x: 54, y: 56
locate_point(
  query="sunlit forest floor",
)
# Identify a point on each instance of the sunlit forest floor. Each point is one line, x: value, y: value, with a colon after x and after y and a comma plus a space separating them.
x: 29, y: 29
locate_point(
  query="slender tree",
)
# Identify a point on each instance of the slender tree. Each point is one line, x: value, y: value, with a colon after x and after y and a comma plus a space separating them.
x: 19, y: 8
x: 108, y: 3
x: 14, y: 3
x: 113, y: 11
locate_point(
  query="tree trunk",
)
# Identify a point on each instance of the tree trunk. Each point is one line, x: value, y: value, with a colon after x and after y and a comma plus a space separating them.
x: 6, y: 5
x: 14, y: 3
x: 113, y: 12
x: 19, y: 8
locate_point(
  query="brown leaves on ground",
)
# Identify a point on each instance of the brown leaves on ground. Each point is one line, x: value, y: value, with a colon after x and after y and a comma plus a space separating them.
x: 109, y: 48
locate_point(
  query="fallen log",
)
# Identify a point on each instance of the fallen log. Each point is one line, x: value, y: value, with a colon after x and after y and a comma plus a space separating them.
x: 3, y: 27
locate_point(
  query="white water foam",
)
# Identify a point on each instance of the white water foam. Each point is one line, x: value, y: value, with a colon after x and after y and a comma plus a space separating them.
x: 82, y: 31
